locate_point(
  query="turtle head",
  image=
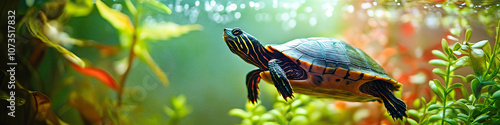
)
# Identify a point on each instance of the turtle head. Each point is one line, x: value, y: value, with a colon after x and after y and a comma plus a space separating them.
x: 246, y: 46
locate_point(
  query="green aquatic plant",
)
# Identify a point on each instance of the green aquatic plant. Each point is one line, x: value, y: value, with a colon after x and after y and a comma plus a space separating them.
x: 59, y: 64
x: 302, y: 110
x: 178, y: 110
x: 482, y: 106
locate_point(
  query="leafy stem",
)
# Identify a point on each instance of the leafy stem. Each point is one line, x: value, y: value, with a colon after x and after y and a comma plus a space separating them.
x: 131, y: 54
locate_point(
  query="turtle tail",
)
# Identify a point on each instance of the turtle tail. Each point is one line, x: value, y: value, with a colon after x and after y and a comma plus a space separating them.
x: 383, y: 90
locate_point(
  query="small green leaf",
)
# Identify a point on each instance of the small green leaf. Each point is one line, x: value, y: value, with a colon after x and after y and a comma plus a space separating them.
x: 468, y: 33
x: 461, y: 62
x: 480, y: 44
x: 439, y: 85
x: 434, y: 106
x: 444, y: 44
x: 470, y: 77
x: 435, y: 89
x: 455, y: 31
x: 440, y: 72
x: 480, y: 118
x: 457, y: 46
x: 299, y: 120
x: 439, y: 54
x: 239, y: 113
x: 453, y: 86
x: 476, y: 88
x: 165, y: 30
x: 489, y: 82
x: 157, y: 5
x: 463, y: 116
x: 438, y: 62
x: 416, y: 103
x: 131, y: 7
x: 423, y: 102
x: 119, y: 20
x: 478, y: 60
x: 461, y: 77
x: 435, y: 118
x: 411, y: 121
x: 451, y: 121
x: 413, y: 112
x: 496, y: 95
x: 141, y: 51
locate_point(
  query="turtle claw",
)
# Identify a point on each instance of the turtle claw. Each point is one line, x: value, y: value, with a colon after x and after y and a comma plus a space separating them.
x: 395, y: 106
x: 279, y: 79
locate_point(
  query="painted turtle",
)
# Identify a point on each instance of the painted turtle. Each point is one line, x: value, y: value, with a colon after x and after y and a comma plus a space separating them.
x: 321, y: 67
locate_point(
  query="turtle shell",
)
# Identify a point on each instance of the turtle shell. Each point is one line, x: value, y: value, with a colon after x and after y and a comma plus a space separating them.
x: 334, y: 68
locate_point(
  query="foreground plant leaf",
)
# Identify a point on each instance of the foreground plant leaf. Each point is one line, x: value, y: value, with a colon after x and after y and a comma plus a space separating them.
x: 79, y: 7
x: 118, y: 20
x: 35, y: 25
x: 165, y: 31
x: 155, y: 4
x: 97, y: 73
x: 144, y: 55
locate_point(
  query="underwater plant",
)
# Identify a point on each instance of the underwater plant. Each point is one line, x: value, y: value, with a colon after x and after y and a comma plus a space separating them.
x: 481, y: 106
x: 58, y: 62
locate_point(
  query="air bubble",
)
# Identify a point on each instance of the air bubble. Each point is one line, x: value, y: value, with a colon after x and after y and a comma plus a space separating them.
x: 292, y: 23
x: 312, y: 21
x: 237, y: 15
x: 242, y: 6
x: 117, y: 7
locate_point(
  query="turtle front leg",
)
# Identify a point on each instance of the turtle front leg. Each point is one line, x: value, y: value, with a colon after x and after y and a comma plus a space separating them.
x: 252, y: 82
x: 279, y: 79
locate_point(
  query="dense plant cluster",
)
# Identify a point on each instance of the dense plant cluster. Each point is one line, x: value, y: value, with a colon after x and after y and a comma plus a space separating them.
x: 478, y: 106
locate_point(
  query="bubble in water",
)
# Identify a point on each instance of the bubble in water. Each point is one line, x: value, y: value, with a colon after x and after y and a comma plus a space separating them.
x: 212, y: 3
x: 251, y: 4
x: 219, y: 8
x: 293, y: 14
x: 237, y: 15
x: 275, y: 3
x: 312, y: 21
x: 366, y: 5
x: 292, y: 23
x: 379, y: 13
x: 350, y: 8
x: 117, y: 7
x: 186, y: 6
x: 194, y: 15
x: 308, y: 9
x: 216, y: 17
x: 285, y: 16
x: 178, y: 8
x: 242, y: 6
x: 370, y: 13
x: 208, y: 7
x: 197, y: 3
x: 231, y: 7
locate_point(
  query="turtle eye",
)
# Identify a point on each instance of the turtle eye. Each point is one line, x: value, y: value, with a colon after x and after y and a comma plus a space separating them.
x: 237, y: 31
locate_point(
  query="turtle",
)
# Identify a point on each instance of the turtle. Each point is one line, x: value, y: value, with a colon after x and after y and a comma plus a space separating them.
x: 316, y: 66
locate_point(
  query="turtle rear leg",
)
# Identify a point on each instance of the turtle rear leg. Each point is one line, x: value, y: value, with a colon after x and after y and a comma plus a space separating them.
x: 252, y: 82
x: 383, y: 90
x: 279, y: 79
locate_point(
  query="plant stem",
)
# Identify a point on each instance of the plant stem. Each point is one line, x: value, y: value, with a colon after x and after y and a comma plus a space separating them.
x: 446, y: 83
x: 130, y: 58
